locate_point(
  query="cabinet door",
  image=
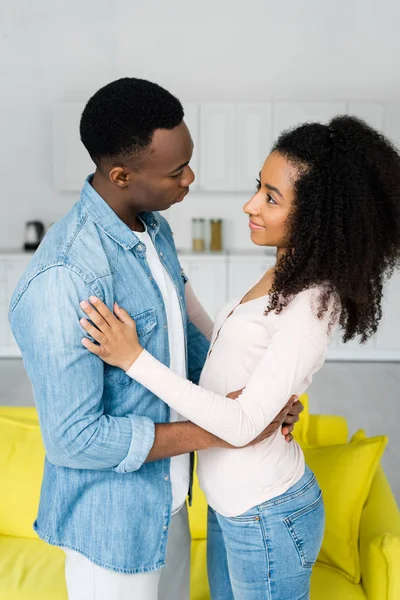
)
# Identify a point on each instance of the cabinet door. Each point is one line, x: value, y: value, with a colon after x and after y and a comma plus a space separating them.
x: 217, y: 147
x: 14, y: 268
x: 3, y: 309
x: 208, y: 277
x: 254, y: 141
x: 385, y: 344
x: 392, y: 123
x: 290, y: 114
x: 388, y: 335
x: 192, y: 121
x: 372, y: 113
x: 351, y: 350
x: 245, y: 271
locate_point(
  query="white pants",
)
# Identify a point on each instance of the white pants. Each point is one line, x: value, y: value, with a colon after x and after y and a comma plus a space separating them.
x: 87, y: 581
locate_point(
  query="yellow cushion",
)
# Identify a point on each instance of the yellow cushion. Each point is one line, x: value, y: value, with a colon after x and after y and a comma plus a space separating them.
x: 31, y: 570
x: 345, y: 474
x: 328, y: 584
x: 21, y: 471
x: 199, y: 589
x: 300, y: 432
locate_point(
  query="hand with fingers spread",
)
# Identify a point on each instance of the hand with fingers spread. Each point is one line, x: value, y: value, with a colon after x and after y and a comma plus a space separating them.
x: 115, y: 334
x: 286, y: 419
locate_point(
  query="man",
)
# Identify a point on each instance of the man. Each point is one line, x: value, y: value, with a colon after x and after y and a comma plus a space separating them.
x: 117, y: 467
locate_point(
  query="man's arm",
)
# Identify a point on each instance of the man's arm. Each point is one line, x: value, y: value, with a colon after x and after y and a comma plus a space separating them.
x: 68, y: 380
x: 172, y: 439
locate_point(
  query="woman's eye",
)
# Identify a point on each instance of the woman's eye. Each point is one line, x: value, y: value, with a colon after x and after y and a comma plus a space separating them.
x: 258, y: 186
x: 270, y: 199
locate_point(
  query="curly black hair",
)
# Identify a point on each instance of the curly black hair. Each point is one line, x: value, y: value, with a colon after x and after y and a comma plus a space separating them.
x: 119, y: 121
x: 344, y: 228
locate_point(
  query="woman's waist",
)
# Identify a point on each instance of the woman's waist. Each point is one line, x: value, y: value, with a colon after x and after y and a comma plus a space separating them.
x: 260, y: 465
x: 235, y: 480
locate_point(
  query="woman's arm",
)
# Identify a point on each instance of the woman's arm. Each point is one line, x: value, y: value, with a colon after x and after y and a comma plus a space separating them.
x: 297, y: 346
x: 197, y: 314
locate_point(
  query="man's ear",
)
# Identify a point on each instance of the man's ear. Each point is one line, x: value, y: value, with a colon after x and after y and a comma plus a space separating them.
x: 120, y: 176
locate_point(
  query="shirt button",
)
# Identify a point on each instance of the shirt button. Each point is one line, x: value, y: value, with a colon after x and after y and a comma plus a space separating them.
x: 165, y: 326
x: 151, y: 279
x: 165, y: 527
x: 166, y: 478
x: 161, y: 254
x: 140, y: 247
x: 153, y: 225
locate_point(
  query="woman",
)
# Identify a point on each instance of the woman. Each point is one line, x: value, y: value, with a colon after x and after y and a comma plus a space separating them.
x: 328, y: 199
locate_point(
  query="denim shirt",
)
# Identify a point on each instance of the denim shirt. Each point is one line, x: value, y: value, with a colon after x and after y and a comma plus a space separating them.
x: 98, y: 495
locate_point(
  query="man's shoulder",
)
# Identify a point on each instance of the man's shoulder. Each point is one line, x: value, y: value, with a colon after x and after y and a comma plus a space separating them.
x: 74, y: 244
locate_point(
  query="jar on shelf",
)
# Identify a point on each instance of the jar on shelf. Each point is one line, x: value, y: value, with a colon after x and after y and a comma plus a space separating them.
x: 216, y: 235
x: 198, y: 235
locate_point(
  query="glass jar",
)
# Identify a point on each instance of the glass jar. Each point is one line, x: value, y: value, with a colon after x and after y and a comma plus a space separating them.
x: 216, y: 235
x: 198, y: 235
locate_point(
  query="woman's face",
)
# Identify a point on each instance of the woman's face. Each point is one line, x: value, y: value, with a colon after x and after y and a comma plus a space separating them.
x: 270, y: 206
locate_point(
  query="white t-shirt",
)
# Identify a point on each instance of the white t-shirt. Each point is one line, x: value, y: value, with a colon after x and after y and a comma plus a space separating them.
x: 180, y: 465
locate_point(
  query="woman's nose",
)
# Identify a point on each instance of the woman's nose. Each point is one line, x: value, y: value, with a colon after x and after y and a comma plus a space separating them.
x: 252, y: 206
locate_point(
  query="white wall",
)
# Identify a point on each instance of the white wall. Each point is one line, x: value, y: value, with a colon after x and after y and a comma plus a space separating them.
x: 255, y: 50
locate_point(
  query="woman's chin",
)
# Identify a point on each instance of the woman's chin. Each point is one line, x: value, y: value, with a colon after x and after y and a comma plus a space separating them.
x: 259, y: 239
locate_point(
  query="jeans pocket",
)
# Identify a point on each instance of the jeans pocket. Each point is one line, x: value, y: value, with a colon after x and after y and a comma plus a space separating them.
x: 306, y: 528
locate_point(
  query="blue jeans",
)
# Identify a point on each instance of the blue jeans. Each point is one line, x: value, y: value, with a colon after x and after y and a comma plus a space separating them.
x: 268, y: 552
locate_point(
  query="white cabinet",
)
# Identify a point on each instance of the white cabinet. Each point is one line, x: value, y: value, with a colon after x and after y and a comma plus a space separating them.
x: 352, y: 350
x: 217, y: 147
x: 245, y: 271
x: 385, y: 344
x: 290, y: 114
x: 11, y: 269
x: 253, y: 142
x: 192, y: 121
x: 208, y: 278
x: 372, y: 113
x: 388, y: 335
x: 234, y: 142
x: 392, y: 123
x: 3, y: 311
x: 231, y: 140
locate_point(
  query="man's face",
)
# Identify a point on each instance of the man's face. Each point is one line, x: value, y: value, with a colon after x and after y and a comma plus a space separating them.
x: 164, y: 176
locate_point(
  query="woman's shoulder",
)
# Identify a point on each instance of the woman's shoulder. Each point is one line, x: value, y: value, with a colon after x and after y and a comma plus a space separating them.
x: 317, y: 303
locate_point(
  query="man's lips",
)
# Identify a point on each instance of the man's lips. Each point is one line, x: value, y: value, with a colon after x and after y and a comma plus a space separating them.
x: 180, y: 198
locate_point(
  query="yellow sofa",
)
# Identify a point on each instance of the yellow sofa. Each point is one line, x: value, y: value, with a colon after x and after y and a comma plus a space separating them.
x: 33, y: 570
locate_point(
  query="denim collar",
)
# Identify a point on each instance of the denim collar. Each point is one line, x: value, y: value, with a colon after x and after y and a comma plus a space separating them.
x: 103, y: 215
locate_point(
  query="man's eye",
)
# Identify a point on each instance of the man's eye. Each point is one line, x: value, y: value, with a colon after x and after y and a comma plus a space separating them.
x: 177, y: 174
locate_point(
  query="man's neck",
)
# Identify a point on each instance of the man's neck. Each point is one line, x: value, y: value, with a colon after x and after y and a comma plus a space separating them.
x: 126, y: 214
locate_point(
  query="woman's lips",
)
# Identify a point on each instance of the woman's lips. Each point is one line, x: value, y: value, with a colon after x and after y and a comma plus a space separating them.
x: 254, y: 227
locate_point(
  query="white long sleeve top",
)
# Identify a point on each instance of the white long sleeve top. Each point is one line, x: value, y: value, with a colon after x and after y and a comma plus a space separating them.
x: 272, y: 357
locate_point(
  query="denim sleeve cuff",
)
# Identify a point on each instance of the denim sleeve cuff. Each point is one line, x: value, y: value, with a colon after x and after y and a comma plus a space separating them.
x: 143, y: 434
